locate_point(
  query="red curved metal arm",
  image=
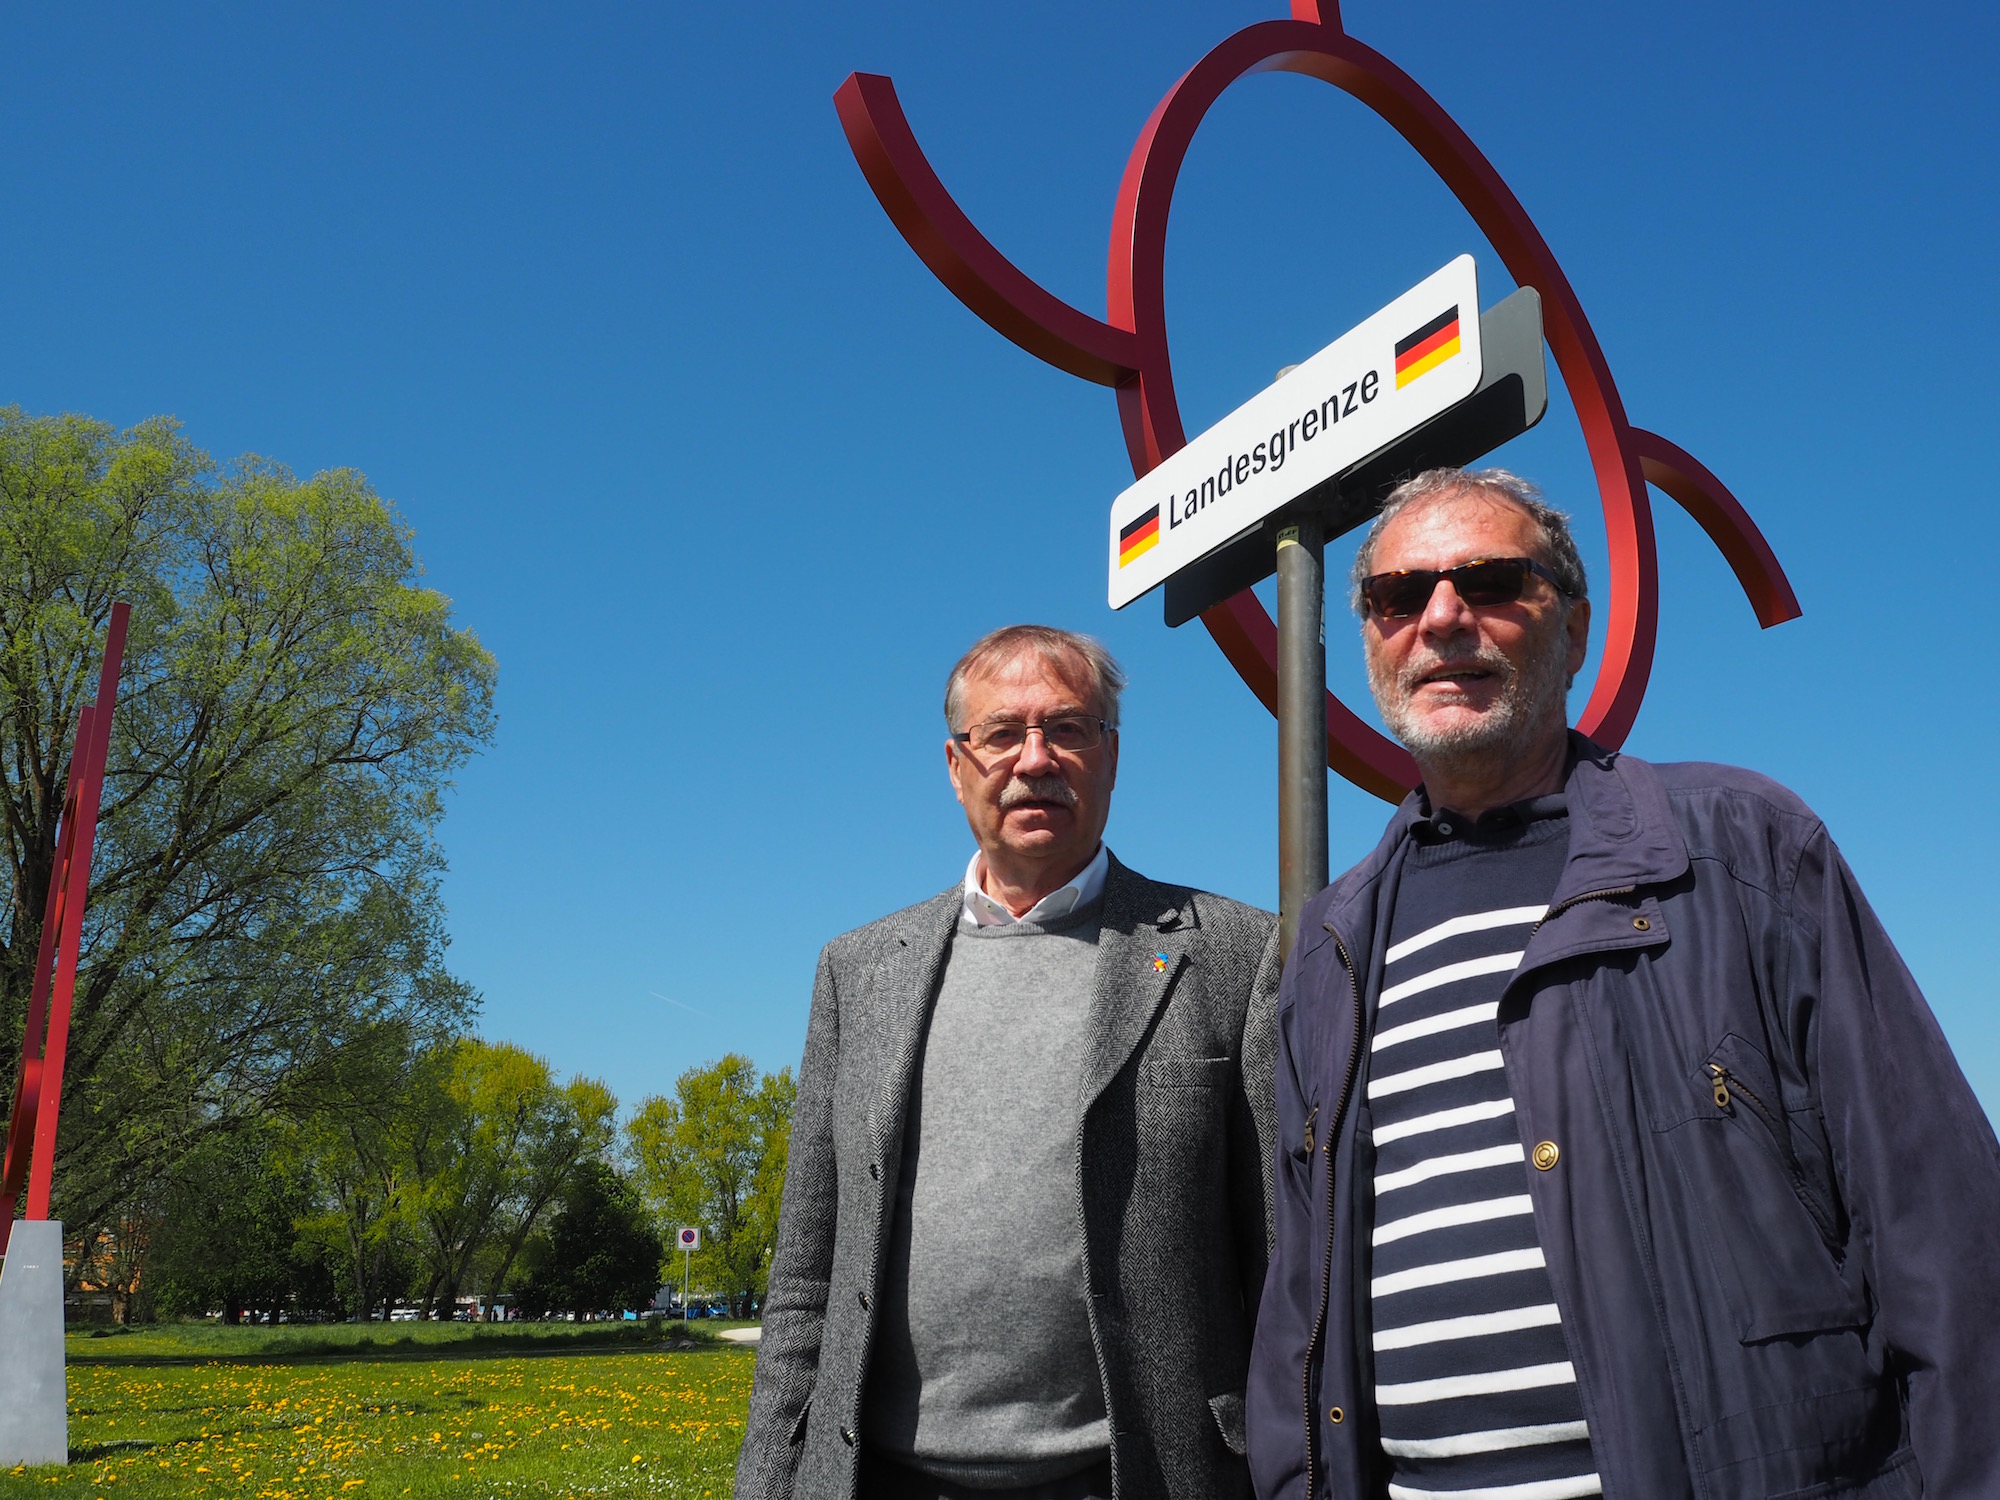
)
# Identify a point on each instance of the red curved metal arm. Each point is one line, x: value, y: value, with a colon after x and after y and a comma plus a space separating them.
x: 1678, y: 474
x: 957, y: 253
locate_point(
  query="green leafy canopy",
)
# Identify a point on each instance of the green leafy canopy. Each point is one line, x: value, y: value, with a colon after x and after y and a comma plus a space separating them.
x: 265, y: 886
x: 713, y: 1155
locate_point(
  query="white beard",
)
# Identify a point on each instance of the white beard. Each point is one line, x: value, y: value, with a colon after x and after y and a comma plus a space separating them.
x: 1529, y: 697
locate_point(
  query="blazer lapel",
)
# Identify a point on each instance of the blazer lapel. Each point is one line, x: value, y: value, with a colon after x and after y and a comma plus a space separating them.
x: 905, y: 987
x: 1141, y: 950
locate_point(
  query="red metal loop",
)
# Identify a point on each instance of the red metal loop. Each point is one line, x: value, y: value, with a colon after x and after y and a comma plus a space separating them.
x: 1129, y: 349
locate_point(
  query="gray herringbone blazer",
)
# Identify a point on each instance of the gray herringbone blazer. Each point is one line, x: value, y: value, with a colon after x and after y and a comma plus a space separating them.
x: 1172, y: 1187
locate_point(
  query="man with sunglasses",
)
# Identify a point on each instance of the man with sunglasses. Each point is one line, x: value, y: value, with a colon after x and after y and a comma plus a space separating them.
x: 1618, y: 1152
x: 1025, y: 1221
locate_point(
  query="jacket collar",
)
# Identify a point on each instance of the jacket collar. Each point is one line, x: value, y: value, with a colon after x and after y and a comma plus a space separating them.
x: 907, y: 977
x: 1622, y: 833
x: 1142, y: 947
x: 1622, y: 829
x: 1131, y: 899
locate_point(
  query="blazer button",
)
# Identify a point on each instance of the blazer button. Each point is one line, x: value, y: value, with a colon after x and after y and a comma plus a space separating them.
x: 864, y: 1300
x: 847, y: 1436
x: 1545, y: 1155
x: 875, y: 1170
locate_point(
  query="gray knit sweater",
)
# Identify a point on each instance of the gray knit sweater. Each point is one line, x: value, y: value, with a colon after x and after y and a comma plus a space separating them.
x: 983, y: 1371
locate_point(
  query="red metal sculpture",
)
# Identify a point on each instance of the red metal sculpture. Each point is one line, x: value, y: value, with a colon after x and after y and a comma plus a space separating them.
x: 31, y: 1128
x: 1127, y: 350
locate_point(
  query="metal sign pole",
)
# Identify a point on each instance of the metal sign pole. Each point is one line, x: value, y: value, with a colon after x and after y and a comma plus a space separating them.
x: 1302, y: 835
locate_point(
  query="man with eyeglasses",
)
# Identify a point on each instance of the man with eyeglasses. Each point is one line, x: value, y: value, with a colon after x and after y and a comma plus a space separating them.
x: 1618, y: 1152
x: 1025, y: 1215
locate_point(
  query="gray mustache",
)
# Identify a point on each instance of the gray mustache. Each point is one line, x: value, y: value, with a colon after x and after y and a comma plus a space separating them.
x: 1489, y: 657
x: 1050, y: 788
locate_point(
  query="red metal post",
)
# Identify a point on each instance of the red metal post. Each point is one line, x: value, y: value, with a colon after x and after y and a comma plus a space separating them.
x: 28, y: 1079
x: 31, y: 1133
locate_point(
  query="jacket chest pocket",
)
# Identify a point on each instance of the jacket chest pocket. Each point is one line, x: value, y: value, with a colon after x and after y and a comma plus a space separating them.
x: 1765, y: 1196
x: 1181, y: 1099
x: 1184, y: 1072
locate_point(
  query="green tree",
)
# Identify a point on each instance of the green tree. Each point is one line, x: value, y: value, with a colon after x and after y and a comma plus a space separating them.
x: 226, y: 1235
x: 491, y: 1147
x: 266, y: 875
x: 355, y: 1140
x: 713, y: 1155
x: 600, y: 1251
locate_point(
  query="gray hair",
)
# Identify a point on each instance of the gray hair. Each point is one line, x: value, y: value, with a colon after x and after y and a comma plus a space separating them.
x: 1561, y: 557
x: 1062, y: 649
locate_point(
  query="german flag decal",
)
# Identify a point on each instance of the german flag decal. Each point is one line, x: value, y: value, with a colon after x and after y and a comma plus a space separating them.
x: 1427, y: 348
x: 1142, y: 533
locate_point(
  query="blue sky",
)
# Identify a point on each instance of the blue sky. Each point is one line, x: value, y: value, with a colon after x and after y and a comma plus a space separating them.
x: 726, y: 480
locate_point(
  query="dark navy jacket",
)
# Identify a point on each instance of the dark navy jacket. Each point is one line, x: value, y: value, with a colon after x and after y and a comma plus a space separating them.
x: 1796, y: 1293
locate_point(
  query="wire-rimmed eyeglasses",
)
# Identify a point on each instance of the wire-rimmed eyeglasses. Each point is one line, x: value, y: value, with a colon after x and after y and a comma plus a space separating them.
x: 1073, y: 733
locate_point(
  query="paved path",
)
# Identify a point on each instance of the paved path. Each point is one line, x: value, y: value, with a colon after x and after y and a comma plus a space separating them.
x: 743, y: 1335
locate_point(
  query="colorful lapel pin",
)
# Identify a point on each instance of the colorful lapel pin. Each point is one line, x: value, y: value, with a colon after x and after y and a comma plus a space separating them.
x: 1159, y: 963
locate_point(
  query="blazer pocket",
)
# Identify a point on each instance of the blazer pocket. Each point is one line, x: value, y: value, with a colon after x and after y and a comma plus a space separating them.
x: 1228, y: 1412
x: 1185, y: 1072
x: 799, y: 1427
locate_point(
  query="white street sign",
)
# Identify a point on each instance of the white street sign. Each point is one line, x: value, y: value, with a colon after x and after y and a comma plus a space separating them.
x: 690, y: 1238
x: 1407, y: 363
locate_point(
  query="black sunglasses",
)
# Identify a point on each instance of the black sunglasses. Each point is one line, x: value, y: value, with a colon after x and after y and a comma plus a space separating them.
x: 1481, y: 583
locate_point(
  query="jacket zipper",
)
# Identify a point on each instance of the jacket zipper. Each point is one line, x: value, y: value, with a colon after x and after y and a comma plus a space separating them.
x: 1606, y: 894
x: 1332, y: 1212
x: 1727, y: 1085
x: 1724, y: 1079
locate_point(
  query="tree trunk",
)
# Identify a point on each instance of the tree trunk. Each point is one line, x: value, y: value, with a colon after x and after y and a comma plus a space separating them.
x: 363, y: 1288
x: 377, y: 1279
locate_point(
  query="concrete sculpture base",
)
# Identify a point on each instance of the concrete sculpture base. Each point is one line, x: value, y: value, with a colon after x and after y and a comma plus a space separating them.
x: 34, y: 1394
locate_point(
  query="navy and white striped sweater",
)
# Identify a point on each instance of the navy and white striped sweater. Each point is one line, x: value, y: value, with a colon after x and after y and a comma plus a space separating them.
x: 1474, y: 1391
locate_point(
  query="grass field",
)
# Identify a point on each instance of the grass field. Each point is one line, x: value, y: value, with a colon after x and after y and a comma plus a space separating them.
x: 442, y: 1411
x: 184, y: 1341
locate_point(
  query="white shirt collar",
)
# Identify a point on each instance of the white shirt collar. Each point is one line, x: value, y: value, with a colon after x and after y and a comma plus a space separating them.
x: 981, y: 910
